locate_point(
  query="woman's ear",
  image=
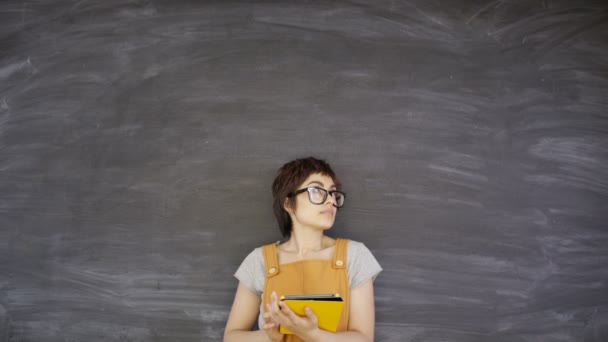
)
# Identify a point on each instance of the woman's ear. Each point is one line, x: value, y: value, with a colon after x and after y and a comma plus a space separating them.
x: 287, y: 207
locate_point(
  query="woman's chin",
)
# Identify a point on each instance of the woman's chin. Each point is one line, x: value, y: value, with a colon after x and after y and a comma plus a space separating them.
x: 327, y: 226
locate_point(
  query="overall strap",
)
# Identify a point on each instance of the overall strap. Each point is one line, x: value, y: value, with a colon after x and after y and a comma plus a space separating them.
x: 340, y: 254
x: 270, y: 259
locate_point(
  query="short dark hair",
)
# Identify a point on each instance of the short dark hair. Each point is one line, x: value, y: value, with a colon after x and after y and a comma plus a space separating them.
x: 288, y: 178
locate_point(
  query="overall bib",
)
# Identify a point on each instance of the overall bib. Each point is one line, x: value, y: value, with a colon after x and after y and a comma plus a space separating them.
x: 307, y: 277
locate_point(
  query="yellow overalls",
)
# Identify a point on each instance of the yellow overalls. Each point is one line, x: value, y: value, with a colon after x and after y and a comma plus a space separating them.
x: 307, y: 277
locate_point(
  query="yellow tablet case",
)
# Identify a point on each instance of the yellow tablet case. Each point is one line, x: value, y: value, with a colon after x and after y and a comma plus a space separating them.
x: 327, y: 308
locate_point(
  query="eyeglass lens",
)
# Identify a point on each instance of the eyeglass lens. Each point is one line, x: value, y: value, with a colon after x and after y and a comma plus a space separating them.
x: 318, y: 196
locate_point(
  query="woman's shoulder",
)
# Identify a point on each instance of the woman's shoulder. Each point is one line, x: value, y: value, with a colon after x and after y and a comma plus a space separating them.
x: 359, y: 255
x: 254, y: 260
x: 251, y: 272
x: 354, y: 242
x: 361, y: 264
x: 257, y: 253
x: 357, y: 247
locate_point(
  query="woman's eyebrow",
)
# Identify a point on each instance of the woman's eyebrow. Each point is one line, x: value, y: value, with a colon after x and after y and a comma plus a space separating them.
x: 322, y: 185
x: 316, y: 182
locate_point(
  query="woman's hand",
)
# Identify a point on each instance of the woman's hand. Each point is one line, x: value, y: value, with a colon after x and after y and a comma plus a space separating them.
x: 305, y: 327
x: 271, y: 328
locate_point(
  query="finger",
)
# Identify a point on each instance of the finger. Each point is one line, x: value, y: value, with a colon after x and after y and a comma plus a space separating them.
x: 270, y: 311
x: 288, y: 313
x: 278, y: 316
x: 269, y: 325
x: 310, y: 314
x: 276, y: 301
x: 273, y: 301
x: 274, y: 314
x: 267, y: 317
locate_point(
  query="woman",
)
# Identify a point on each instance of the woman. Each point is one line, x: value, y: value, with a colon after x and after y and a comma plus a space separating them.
x: 306, y: 198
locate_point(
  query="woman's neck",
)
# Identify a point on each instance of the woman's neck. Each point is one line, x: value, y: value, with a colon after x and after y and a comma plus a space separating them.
x: 303, y: 242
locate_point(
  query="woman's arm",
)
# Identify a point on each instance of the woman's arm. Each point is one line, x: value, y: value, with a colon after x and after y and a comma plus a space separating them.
x: 243, y: 314
x: 360, y: 323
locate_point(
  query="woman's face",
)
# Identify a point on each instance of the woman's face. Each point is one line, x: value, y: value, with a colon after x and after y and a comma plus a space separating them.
x: 315, y: 216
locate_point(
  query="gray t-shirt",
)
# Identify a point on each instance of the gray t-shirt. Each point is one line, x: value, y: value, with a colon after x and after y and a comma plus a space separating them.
x: 360, y: 265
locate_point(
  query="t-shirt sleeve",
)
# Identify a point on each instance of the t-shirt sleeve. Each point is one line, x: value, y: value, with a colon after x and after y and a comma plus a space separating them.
x: 252, y: 272
x: 361, y: 264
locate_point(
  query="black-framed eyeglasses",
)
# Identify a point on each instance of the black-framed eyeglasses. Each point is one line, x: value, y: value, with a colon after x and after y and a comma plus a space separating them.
x: 319, y: 195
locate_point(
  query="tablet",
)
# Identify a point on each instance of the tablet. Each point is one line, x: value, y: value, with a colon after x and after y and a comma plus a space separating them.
x: 327, y: 308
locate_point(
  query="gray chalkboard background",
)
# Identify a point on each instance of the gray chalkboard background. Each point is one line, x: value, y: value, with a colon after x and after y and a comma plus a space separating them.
x: 139, y: 139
